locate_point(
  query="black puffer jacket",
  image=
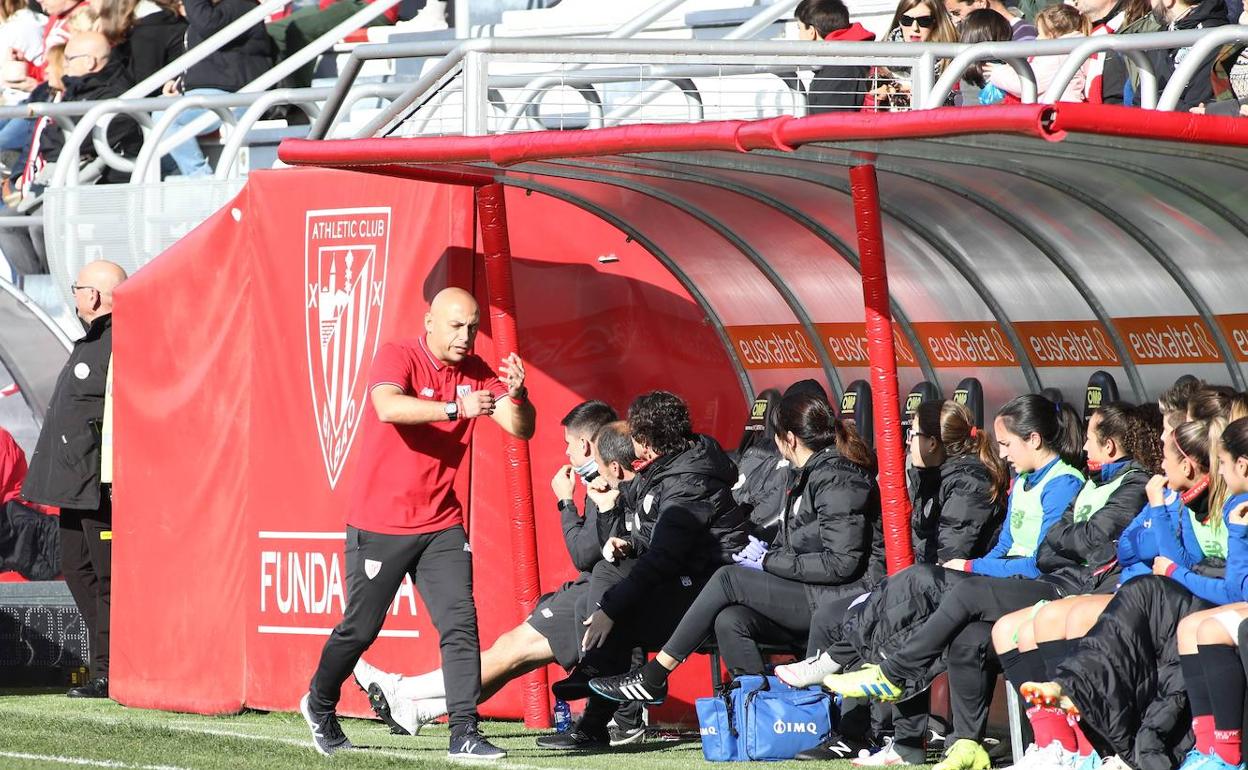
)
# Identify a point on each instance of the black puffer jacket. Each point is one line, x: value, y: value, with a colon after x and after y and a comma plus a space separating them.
x: 1207, y: 15
x: 30, y: 542
x: 684, y: 521
x: 765, y: 477
x: 831, y: 524
x: 238, y: 62
x: 1082, y: 557
x: 953, y: 515
x: 1126, y: 679
x: 582, y: 534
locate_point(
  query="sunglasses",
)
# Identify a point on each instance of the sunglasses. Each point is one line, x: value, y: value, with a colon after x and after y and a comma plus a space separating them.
x: 926, y: 22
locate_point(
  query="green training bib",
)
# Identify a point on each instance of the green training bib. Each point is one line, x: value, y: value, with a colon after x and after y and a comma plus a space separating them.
x: 1027, y: 510
x: 1212, y: 543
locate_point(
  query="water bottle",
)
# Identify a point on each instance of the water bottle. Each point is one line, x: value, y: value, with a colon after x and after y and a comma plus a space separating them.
x: 563, y: 716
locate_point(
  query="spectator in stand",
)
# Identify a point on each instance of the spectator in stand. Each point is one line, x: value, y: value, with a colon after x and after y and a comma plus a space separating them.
x: 1107, y: 17
x: 292, y: 33
x: 92, y: 73
x: 980, y: 26
x: 915, y: 21
x: 1121, y: 81
x: 835, y: 86
x: 1055, y: 22
x: 1019, y: 28
x: 147, y: 34
x: 226, y: 71
x: 1229, y: 80
x: 21, y: 42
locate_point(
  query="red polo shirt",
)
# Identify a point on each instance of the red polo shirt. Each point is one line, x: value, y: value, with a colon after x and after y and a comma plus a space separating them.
x: 403, y: 485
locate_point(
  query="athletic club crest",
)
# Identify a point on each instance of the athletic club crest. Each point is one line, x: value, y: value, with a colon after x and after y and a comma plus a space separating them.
x: 345, y: 255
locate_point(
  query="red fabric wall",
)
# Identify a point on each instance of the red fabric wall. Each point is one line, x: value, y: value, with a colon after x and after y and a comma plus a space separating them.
x: 229, y: 544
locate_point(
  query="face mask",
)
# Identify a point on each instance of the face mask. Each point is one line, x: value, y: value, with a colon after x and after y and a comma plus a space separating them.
x: 588, y: 472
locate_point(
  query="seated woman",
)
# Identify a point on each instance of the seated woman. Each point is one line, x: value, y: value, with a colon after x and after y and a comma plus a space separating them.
x: 824, y: 548
x: 1124, y: 680
x: 957, y: 486
x: 764, y: 472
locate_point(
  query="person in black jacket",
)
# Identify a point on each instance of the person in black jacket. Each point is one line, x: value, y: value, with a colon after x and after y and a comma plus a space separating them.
x: 835, y: 86
x: 146, y: 34
x: 765, y: 473
x: 682, y: 524
x: 65, y: 468
x: 92, y: 73
x: 227, y: 70
x: 550, y: 633
x: 957, y: 484
x: 824, y: 549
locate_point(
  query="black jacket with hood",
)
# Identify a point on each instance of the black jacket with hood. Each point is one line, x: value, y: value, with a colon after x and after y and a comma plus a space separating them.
x: 683, y: 521
x: 157, y: 38
x: 828, y: 539
x: 1114, y: 80
x: 953, y: 515
x: 237, y: 63
x: 764, y: 479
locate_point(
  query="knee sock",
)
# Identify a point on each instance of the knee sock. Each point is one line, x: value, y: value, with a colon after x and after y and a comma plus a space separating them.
x: 1055, y: 653
x: 422, y: 687
x: 1222, y: 666
x: 1022, y: 667
x: 1051, y: 724
x: 1081, y: 738
x: 1195, y: 682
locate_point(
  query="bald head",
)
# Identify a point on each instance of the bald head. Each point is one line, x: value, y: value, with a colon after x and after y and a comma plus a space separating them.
x: 451, y: 325
x: 86, y: 52
x: 93, y: 291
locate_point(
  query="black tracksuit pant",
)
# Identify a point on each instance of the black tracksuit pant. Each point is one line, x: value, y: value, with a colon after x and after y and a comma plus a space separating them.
x: 743, y: 607
x: 441, y: 567
x: 976, y: 598
x: 646, y: 626
x: 87, y: 564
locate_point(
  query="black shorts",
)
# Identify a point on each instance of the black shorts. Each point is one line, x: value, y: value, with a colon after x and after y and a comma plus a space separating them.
x: 557, y: 617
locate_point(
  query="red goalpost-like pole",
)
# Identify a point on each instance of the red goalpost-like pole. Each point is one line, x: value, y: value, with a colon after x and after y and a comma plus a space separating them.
x: 496, y: 250
x: 880, y: 349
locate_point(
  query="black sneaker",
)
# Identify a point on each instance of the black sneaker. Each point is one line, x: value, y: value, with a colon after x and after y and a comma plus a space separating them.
x: 327, y: 736
x: 623, y: 736
x: 96, y: 688
x: 629, y: 687
x: 837, y: 747
x: 467, y: 743
x: 576, y: 685
x: 576, y: 739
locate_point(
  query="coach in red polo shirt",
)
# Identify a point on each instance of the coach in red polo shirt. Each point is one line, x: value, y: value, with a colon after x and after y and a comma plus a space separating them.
x: 404, y: 516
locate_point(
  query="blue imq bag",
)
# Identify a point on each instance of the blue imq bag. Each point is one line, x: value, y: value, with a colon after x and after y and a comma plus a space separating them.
x: 762, y: 718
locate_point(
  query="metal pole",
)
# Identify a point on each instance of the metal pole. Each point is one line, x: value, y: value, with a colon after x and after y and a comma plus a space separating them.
x: 880, y: 349
x: 462, y: 27
x: 496, y: 247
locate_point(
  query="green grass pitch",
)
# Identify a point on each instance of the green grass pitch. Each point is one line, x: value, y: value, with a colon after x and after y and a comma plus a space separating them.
x: 41, y: 730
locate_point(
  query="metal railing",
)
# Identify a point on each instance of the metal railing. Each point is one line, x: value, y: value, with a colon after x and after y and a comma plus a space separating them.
x: 481, y: 71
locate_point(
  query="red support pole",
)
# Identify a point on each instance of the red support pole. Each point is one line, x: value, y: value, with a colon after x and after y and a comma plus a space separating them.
x: 888, y: 427
x: 496, y: 248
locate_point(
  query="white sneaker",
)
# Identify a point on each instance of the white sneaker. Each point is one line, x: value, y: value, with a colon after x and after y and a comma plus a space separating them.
x: 366, y: 675
x: 804, y: 673
x: 1051, y: 757
x: 885, y: 757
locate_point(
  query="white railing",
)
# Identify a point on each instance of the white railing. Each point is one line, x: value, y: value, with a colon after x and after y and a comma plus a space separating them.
x: 606, y: 82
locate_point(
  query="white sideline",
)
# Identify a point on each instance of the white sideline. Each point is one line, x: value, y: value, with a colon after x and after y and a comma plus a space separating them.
x: 85, y: 762
x: 183, y: 726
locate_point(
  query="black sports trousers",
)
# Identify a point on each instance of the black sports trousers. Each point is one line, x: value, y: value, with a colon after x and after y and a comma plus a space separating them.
x: 976, y: 598
x: 743, y: 607
x: 440, y: 564
x: 87, y: 564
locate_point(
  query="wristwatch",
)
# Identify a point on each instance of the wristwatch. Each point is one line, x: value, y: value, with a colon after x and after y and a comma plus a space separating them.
x: 452, y: 410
